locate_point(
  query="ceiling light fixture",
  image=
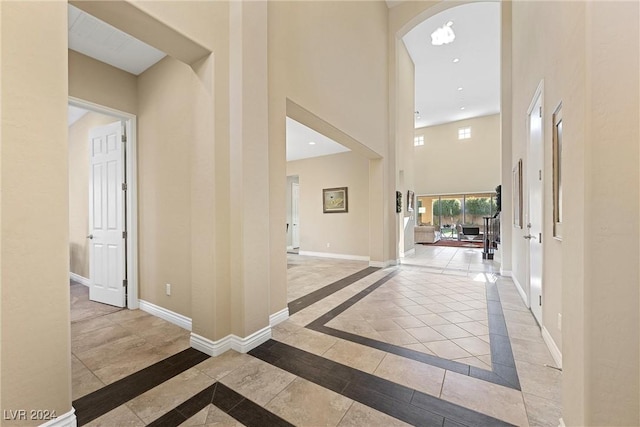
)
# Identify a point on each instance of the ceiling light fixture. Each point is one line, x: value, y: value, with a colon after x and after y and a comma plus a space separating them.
x: 460, y: 88
x: 462, y: 108
x: 443, y: 35
x: 312, y: 143
x: 456, y: 60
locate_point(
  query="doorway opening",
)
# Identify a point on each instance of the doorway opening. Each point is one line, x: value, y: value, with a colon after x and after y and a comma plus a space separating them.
x: 293, y: 214
x: 103, y: 204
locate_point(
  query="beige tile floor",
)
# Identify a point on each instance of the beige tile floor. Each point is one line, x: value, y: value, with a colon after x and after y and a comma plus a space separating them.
x: 450, y: 260
x: 108, y: 347
x: 99, y: 345
x: 307, y: 274
x: 436, y: 314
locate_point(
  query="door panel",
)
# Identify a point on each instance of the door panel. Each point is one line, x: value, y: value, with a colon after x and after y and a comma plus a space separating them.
x: 534, y: 214
x: 106, y: 221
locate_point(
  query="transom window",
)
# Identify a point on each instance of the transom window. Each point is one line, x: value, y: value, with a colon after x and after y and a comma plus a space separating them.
x: 418, y: 140
x: 464, y: 133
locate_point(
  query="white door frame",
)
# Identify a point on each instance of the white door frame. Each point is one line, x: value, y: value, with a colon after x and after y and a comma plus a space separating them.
x: 295, y: 222
x: 533, y: 304
x: 130, y: 168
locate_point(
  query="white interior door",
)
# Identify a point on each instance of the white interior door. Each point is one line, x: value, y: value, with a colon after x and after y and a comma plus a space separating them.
x: 535, y: 157
x: 106, y: 210
x: 295, y: 215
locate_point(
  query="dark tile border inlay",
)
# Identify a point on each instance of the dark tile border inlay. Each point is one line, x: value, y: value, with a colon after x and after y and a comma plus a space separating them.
x: 234, y: 404
x: 502, y: 363
x: 398, y: 401
x: 315, y: 296
x: 101, y: 401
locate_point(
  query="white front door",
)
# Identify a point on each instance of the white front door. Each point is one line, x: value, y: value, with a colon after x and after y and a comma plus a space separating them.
x: 106, y: 208
x: 295, y: 215
x: 535, y: 157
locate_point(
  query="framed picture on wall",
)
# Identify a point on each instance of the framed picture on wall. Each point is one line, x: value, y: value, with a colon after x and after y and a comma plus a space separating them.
x: 517, y: 194
x: 410, y: 201
x: 335, y: 200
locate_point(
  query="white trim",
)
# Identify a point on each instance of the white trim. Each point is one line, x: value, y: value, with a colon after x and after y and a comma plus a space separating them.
x: 132, y: 191
x: 337, y: 256
x: 212, y: 348
x: 506, y: 273
x: 132, y: 212
x: 384, y: 264
x: 553, y: 348
x: 230, y: 342
x: 521, y: 291
x: 170, y: 316
x: 64, y: 420
x: 78, y: 278
x: 562, y: 424
x: 279, y: 317
x: 290, y: 248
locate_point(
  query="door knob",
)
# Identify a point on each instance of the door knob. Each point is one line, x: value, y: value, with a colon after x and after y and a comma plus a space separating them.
x: 529, y: 237
x: 90, y: 236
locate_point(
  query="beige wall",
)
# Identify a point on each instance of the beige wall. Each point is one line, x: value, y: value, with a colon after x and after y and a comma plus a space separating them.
x: 102, y: 84
x: 591, y: 276
x: 318, y: 70
x: 34, y: 228
x: 447, y: 165
x: 183, y: 159
x: 165, y: 138
x: 404, y: 144
x: 79, y: 189
x: 346, y: 233
x: 529, y: 75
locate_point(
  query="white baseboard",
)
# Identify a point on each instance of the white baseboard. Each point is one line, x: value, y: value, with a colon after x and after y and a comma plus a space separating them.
x: 78, y: 278
x: 279, y: 317
x: 64, y: 420
x: 172, y: 317
x: 337, y: 256
x: 230, y: 342
x: 553, y: 348
x: 562, y: 424
x: 384, y: 264
x: 521, y: 291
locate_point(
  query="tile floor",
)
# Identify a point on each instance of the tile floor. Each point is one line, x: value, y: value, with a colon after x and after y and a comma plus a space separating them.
x: 442, y: 297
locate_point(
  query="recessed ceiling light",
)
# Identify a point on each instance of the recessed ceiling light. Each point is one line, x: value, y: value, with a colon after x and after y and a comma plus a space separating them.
x: 462, y: 108
x: 460, y: 88
x: 312, y: 143
x: 455, y: 60
x: 450, y: 23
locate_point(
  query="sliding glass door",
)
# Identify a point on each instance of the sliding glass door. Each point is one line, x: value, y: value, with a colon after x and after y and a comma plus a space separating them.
x: 447, y: 211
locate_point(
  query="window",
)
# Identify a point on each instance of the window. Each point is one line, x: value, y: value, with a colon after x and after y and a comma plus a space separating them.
x: 448, y: 210
x: 418, y: 140
x: 464, y: 133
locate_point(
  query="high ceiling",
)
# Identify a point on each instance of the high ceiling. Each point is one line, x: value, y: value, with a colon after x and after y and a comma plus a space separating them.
x: 477, y: 72
x: 438, y: 100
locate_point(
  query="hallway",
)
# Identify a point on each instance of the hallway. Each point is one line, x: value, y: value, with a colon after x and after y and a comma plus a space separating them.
x: 421, y: 344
